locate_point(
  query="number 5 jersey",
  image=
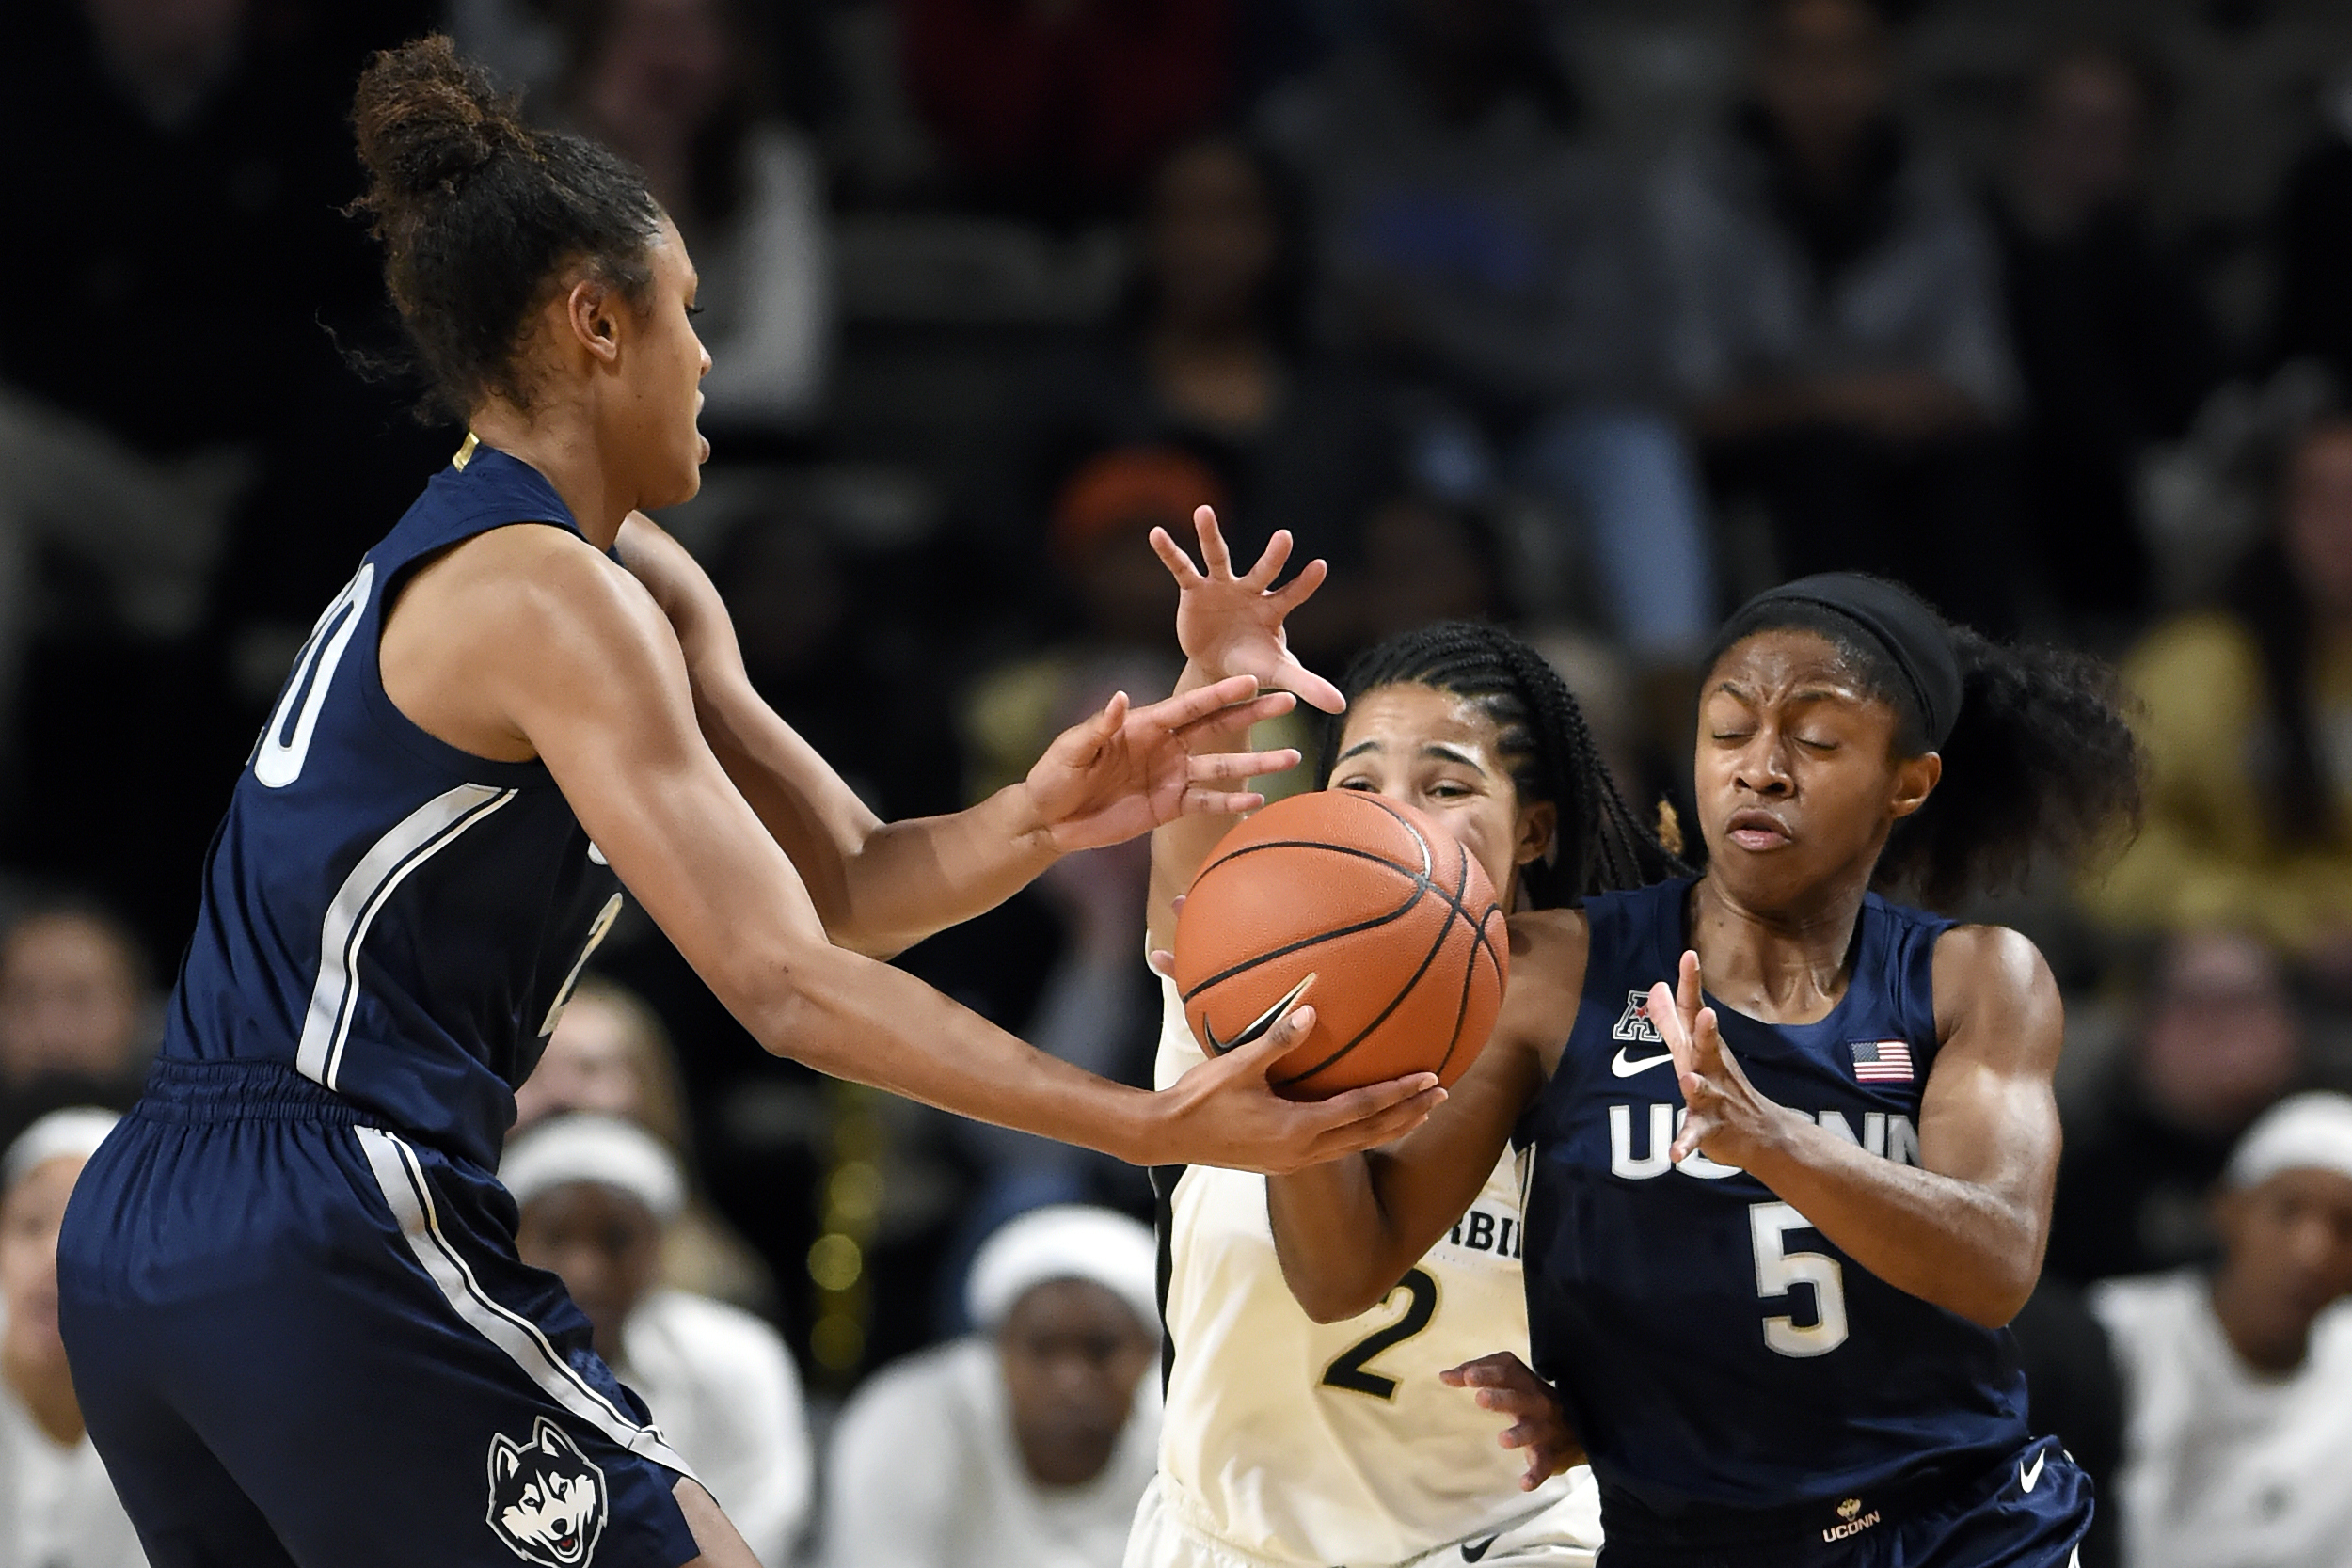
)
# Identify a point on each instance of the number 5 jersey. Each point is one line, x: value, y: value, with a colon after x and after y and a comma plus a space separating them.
x: 1286, y: 1441
x: 1735, y: 1376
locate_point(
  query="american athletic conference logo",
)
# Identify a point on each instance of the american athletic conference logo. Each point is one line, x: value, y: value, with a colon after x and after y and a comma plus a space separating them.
x: 1634, y: 1022
x: 546, y: 1497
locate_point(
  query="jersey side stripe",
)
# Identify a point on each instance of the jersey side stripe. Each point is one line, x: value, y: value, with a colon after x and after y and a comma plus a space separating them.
x: 402, y: 1179
x: 416, y: 839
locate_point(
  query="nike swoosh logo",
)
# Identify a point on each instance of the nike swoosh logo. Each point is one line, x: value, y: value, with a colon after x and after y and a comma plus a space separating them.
x: 1474, y: 1550
x: 1257, y: 1026
x: 2030, y: 1479
x: 1624, y: 1068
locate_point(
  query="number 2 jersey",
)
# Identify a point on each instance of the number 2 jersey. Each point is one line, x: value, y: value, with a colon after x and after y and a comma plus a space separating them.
x: 1291, y: 1442
x: 395, y: 919
x: 1724, y: 1361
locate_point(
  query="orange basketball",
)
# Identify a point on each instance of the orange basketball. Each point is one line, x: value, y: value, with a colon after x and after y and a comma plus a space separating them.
x: 1395, y: 920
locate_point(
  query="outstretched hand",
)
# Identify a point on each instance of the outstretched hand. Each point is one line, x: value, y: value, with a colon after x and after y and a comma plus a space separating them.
x: 1232, y: 625
x: 1728, y: 1119
x: 1509, y: 1387
x: 1128, y: 769
x: 1225, y: 1113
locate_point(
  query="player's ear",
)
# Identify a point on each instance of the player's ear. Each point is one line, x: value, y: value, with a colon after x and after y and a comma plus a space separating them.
x: 1916, y: 779
x: 590, y: 310
x: 1540, y: 825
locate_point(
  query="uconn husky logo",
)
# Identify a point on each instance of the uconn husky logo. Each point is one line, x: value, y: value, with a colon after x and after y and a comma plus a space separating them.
x: 546, y: 1497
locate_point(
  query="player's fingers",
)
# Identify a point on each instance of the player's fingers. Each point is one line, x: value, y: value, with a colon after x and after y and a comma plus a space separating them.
x: 1270, y: 561
x: 1208, y: 766
x: 1302, y: 587
x: 1212, y: 551
x: 1236, y: 719
x: 1485, y: 1372
x: 1384, y: 1127
x: 1668, y: 1023
x: 1173, y: 556
x: 1215, y: 802
x: 1256, y: 1056
x: 1312, y: 688
x: 1163, y: 962
x: 1707, y: 1042
x: 1187, y: 708
x: 1689, y: 998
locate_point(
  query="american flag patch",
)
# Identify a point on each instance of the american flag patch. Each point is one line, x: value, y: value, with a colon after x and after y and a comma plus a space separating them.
x: 1882, y: 1061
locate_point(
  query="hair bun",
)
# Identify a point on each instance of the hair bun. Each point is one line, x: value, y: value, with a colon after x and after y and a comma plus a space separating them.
x: 427, y: 117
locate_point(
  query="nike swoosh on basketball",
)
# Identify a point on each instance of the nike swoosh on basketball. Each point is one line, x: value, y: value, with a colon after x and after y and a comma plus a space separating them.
x: 2030, y: 1479
x: 1258, y: 1026
x: 1624, y: 1068
x: 1474, y: 1550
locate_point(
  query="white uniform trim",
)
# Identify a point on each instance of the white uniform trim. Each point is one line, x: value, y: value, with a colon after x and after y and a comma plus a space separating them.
x: 402, y: 1179
x: 416, y: 839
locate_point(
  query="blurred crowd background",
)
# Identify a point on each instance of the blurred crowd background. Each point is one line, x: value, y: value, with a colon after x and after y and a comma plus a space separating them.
x: 1592, y: 316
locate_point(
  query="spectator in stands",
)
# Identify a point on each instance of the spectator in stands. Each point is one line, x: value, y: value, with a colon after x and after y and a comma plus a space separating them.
x: 1470, y: 241
x: 2238, y: 1383
x: 1029, y: 1444
x: 182, y: 150
x: 1210, y: 355
x: 2219, y: 1040
x: 76, y: 1022
x: 610, y: 1056
x: 1121, y: 598
x: 1838, y: 329
x: 2312, y: 240
x: 835, y: 641
x: 2247, y: 720
x: 596, y: 1193
x: 2111, y: 338
x: 57, y: 1509
x: 674, y: 87
x: 1061, y: 109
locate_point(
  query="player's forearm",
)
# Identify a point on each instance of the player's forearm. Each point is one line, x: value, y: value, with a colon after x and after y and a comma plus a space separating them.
x: 908, y: 880
x: 1339, y: 1252
x: 880, y: 887
x: 1964, y: 1246
x: 1178, y: 847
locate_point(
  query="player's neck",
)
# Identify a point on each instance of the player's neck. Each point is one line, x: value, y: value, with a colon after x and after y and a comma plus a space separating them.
x: 563, y: 446
x: 1782, y: 966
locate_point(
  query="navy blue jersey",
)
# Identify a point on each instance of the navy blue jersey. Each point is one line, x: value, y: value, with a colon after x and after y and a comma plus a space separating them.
x: 395, y: 919
x: 1719, y: 1357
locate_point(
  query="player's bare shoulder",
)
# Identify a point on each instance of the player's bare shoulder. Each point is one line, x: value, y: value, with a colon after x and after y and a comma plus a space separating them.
x: 509, y: 607
x: 1994, y: 990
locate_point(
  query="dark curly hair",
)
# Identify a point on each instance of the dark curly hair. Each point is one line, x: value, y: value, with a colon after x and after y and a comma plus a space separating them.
x: 479, y: 216
x: 1601, y: 845
x: 2042, y: 758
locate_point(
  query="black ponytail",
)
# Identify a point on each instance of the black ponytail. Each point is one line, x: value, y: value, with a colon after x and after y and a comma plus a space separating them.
x: 2040, y: 758
x: 1601, y: 845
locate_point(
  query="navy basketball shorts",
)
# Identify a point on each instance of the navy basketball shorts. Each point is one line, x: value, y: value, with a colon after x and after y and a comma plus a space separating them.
x: 2029, y: 1511
x: 302, y: 1339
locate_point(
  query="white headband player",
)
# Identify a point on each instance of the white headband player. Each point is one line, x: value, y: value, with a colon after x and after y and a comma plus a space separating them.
x: 1065, y: 1240
x: 76, y: 1130
x: 602, y: 1151
x: 2304, y: 1132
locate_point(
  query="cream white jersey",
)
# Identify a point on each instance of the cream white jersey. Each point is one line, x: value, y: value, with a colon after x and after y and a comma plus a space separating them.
x: 1294, y: 1442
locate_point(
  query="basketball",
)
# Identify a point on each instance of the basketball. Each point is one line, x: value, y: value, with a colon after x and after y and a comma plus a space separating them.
x: 1394, y: 919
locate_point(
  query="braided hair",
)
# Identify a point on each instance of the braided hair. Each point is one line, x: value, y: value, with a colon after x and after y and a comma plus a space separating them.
x: 1601, y: 844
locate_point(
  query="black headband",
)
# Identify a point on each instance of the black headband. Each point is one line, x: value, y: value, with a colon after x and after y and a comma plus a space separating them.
x: 1913, y: 635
